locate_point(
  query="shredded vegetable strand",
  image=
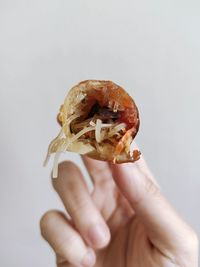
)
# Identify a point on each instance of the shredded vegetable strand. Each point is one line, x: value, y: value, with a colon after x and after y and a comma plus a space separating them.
x: 98, y: 130
x: 92, y: 123
x: 132, y: 147
x: 117, y: 128
x: 55, y: 141
x: 55, y: 165
x: 84, y: 131
x: 61, y: 143
x: 46, y: 160
x: 69, y: 120
x: 83, y: 123
x: 79, y: 134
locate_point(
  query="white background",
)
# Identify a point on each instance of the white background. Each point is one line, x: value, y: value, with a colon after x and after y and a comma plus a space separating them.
x: 151, y: 48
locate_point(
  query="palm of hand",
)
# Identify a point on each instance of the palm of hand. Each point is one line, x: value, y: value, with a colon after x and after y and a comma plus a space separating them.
x: 130, y: 245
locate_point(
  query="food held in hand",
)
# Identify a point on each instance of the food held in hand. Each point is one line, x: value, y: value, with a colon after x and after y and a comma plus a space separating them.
x: 98, y: 119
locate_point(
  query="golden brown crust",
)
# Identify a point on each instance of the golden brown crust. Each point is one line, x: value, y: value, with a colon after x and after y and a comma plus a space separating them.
x: 104, y: 92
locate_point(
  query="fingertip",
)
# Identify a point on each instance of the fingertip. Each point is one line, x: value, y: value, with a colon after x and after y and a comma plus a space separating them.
x: 89, y: 259
x: 122, y: 172
x: 99, y: 236
x: 129, y: 181
x: 65, y: 169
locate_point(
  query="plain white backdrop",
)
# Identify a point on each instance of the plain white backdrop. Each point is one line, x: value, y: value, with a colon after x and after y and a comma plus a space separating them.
x: 151, y: 48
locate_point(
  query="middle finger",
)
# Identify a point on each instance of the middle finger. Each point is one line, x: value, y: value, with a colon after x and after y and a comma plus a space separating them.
x: 105, y: 191
x: 73, y: 191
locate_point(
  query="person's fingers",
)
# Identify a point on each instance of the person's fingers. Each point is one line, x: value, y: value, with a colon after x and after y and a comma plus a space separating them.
x: 165, y: 229
x: 73, y: 191
x: 65, y: 240
x: 121, y: 216
x: 142, y: 165
x: 99, y: 171
x: 61, y: 262
x: 104, y: 193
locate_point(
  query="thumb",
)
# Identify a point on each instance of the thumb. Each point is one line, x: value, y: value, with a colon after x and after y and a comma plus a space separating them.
x: 164, y: 227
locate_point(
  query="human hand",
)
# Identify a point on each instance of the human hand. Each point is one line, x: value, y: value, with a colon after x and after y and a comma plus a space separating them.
x: 124, y: 222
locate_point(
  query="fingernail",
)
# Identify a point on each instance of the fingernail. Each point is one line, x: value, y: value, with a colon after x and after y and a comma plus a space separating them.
x: 89, y: 259
x: 98, y: 235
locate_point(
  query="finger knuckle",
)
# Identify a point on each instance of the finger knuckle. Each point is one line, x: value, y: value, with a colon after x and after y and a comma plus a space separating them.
x: 100, y: 173
x: 151, y: 188
x: 106, y: 184
x: 79, y: 205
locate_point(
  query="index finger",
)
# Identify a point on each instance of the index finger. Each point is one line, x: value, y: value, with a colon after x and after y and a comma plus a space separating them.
x: 164, y: 227
x: 99, y: 171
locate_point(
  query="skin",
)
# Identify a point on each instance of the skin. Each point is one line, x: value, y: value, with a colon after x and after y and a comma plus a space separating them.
x: 125, y: 222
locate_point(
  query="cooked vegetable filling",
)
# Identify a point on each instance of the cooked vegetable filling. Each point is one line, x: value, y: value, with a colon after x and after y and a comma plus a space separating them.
x: 101, y: 124
x: 99, y: 119
x: 105, y: 112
